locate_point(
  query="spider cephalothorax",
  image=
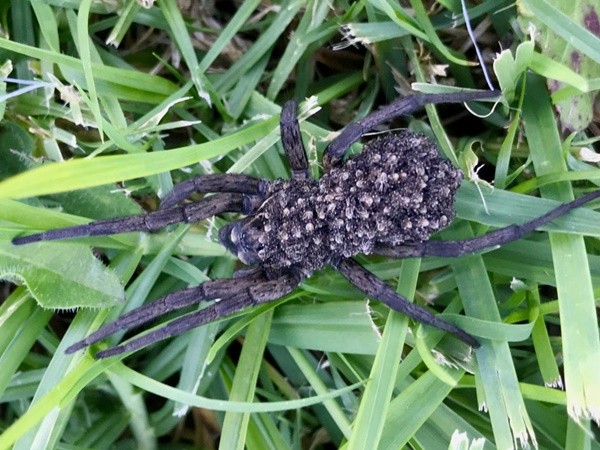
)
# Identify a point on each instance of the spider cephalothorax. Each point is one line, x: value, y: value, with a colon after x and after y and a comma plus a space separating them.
x: 397, y: 190
x: 388, y: 200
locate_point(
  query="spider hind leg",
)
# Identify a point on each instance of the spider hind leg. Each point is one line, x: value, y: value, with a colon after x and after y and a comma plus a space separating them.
x: 495, y: 238
x: 374, y: 287
x: 335, y: 151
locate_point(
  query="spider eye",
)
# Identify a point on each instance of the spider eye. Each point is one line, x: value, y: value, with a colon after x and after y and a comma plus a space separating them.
x: 251, y: 241
x: 229, y: 237
x: 243, y: 240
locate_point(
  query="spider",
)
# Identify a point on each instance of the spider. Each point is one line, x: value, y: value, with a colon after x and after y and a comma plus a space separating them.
x: 387, y: 200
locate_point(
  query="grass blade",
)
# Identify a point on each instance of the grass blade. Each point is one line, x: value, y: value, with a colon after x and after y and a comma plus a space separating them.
x: 580, y: 338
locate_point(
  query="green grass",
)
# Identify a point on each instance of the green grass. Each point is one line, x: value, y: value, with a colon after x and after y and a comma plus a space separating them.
x: 181, y: 93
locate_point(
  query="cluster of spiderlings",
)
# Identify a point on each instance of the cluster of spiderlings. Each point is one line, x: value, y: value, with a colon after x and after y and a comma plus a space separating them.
x: 397, y: 190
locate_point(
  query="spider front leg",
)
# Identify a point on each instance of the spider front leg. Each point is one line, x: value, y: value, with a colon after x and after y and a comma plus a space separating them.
x: 334, y: 153
x: 218, y: 182
x: 174, y: 301
x: 263, y: 292
x: 153, y: 221
x: 292, y: 141
x: 245, y: 184
x: 374, y: 287
x: 494, y: 239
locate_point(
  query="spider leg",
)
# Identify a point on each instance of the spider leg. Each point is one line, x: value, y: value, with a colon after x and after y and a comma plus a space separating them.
x: 334, y: 153
x: 374, y: 287
x: 174, y: 301
x: 218, y: 182
x: 292, y: 141
x: 261, y: 293
x: 153, y: 221
x: 493, y: 239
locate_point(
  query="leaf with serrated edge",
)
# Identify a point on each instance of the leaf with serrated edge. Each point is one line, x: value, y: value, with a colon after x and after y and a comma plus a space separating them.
x: 61, y: 276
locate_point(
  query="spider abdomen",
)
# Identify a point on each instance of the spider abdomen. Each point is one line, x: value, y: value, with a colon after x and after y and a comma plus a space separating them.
x: 397, y: 190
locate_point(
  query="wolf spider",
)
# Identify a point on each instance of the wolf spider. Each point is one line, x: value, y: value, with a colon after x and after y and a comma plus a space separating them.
x: 387, y: 200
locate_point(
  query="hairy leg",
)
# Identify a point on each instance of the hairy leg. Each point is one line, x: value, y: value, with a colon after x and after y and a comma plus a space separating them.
x: 263, y: 292
x: 153, y: 221
x: 374, y: 287
x: 218, y: 182
x: 209, y: 290
x: 292, y: 141
x: 334, y: 153
x: 245, y: 184
x: 494, y: 239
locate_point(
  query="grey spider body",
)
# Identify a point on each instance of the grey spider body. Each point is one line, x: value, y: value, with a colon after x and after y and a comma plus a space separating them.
x: 388, y: 200
x: 397, y: 190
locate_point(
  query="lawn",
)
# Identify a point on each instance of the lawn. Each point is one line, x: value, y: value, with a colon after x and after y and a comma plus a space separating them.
x: 105, y: 106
